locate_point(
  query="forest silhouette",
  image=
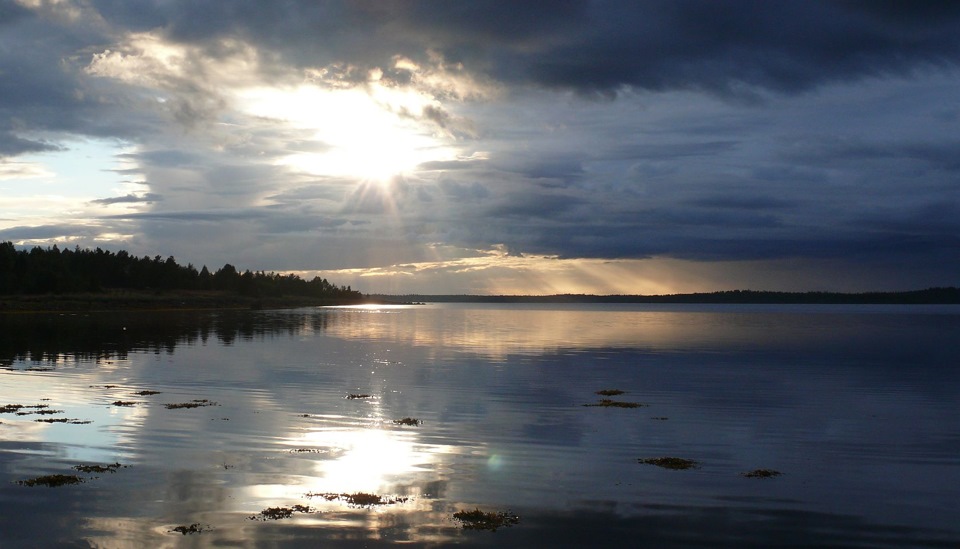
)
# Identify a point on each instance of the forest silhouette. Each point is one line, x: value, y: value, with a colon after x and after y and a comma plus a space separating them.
x: 51, y: 270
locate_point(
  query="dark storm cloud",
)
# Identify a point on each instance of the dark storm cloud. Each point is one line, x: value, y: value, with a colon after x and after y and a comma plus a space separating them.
x: 599, y: 46
x: 645, y: 241
x: 554, y: 172
x: 833, y: 151
x: 743, y: 202
x: 720, y: 46
x: 527, y: 205
x: 933, y: 218
x: 670, y: 151
x: 11, y: 145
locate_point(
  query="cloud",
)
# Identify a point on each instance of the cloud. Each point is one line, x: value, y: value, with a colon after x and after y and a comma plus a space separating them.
x: 723, y: 47
x: 48, y: 232
x: 711, y: 132
x: 127, y: 199
x: 11, y: 145
x: 22, y: 170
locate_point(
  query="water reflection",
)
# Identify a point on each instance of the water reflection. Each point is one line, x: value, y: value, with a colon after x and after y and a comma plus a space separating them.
x: 63, y: 339
x: 857, y: 408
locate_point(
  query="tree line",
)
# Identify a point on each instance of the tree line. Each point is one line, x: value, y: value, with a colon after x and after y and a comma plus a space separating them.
x: 55, y: 271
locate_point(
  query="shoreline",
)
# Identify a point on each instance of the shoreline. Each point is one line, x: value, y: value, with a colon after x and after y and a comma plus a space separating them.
x: 159, y: 301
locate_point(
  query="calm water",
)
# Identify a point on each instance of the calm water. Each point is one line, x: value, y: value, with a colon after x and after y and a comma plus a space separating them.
x: 856, y: 406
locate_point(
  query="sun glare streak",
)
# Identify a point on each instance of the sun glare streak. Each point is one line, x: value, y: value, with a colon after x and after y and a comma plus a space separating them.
x: 496, y: 271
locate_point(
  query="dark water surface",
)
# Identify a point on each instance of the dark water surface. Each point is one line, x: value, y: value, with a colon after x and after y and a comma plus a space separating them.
x: 855, y: 405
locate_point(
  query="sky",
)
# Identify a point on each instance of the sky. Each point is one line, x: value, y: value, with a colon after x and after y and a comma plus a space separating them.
x: 493, y: 147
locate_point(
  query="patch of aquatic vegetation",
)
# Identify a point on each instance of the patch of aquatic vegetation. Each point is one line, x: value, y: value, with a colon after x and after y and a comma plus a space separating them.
x: 45, y: 412
x: 51, y: 481
x: 360, y: 499
x: 610, y: 392
x: 307, y: 451
x: 480, y: 520
x: 23, y: 410
x: 124, y: 403
x: 194, y: 528
x: 408, y: 421
x: 761, y: 473
x: 608, y: 403
x: 69, y: 421
x: 277, y: 513
x: 193, y: 404
x: 147, y: 392
x: 111, y: 468
x: 104, y: 386
x: 353, y: 396
x: 675, y: 463
x: 660, y: 418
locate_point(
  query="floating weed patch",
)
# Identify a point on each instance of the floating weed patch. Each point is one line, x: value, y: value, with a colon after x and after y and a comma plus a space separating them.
x: 63, y: 420
x: 41, y: 412
x: 480, y: 520
x: 761, y: 473
x: 660, y: 418
x: 104, y: 386
x: 353, y: 396
x: 51, y: 481
x: 607, y: 403
x: 360, y: 499
x: 46, y: 411
x: 124, y: 403
x: 675, y: 463
x: 307, y: 451
x: 193, y: 404
x: 408, y: 421
x: 111, y: 468
x: 277, y: 513
x: 610, y: 392
x: 194, y: 528
x: 147, y: 393
x: 22, y: 410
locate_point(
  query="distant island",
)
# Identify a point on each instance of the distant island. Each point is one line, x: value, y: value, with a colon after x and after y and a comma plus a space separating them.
x: 83, y: 279
x: 949, y: 295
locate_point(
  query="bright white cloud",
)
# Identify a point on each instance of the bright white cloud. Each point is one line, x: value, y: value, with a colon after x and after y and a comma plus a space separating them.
x: 355, y: 133
x: 20, y: 171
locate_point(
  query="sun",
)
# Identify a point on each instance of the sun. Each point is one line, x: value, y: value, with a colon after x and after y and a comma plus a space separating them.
x: 353, y: 133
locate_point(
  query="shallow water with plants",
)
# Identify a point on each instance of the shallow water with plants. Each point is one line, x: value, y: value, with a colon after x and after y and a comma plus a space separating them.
x: 482, y: 425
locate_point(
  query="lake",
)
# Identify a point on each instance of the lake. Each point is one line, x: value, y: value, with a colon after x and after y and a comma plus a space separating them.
x: 278, y: 428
